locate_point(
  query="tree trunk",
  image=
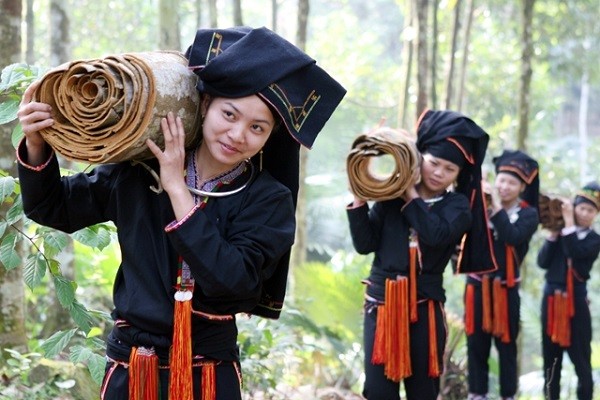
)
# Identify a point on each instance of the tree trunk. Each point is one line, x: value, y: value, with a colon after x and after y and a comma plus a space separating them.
x: 237, y: 13
x: 168, y: 22
x: 407, y: 61
x: 60, y: 42
x: 60, y: 52
x: 213, y: 14
x: 434, y: 51
x: 298, y: 256
x: 29, y: 23
x: 274, y: 13
x: 422, y: 57
x: 12, y: 298
x: 465, y: 58
x: 453, y: 47
x: 584, y: 101
x: 526, y: 72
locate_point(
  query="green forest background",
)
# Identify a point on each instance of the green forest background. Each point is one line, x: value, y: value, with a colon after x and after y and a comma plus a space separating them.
x: 477, y: 55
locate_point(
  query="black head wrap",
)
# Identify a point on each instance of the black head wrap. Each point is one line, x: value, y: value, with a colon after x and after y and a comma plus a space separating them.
x: 523, y: 167
x: 590, y: 194
x: 449, y: 133
x: 241, y: 61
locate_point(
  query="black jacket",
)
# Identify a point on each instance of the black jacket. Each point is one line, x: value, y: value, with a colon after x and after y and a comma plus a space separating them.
x: 385, y: 230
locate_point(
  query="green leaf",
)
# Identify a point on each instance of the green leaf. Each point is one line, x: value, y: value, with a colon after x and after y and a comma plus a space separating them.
x: 35, y: 269
x: 80, y: 354
x: 56, y: 343
x: 7, y: 187
x: 81, y: 316
x: 17, y: 135
x: 8, y: 255
x: 54, y: 242
x: 65, y: 290
x: 3, y: 226
x: 15, y: 212
x: 8, y: 110
x: 96, y: 364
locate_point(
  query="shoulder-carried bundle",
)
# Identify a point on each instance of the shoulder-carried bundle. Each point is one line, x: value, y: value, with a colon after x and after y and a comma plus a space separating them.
x: 382, y: 141
x: 105, y: 109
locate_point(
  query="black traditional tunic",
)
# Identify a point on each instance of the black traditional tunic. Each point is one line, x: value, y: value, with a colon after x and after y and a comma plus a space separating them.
x: 513, y: 228
x: 582, y: 248
x: 385, y: 229
x: 232, y: 246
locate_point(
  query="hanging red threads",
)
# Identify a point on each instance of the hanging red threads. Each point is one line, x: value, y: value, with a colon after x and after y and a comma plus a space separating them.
x: 470, y: 309
x: 397, y: 333
x: 209, y: 386
x: 500, y: 322
x: 143, y: 374
x: 487, y: 322
x: 180, y: 381
x: 413, y: 281
x: 510, y: 266
x: 570, y: 288
x: 434, y: 366
x: 378, y: 356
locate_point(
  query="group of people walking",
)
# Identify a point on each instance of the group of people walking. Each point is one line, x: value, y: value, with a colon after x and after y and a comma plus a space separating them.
x: 215, y: 239
x: 450, y: 215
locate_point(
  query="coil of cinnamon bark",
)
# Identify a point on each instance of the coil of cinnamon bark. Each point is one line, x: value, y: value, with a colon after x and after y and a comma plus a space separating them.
x: 367, y: 184
x: 550, y: 211
x: 105, y: 109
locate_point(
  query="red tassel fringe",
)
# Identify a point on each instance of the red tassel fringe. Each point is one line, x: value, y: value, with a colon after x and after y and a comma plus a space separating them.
x: 413, y: 283
x: 143, y: 374
x: 180, y: 381
x: 470, y: 309
x: 486, y: 306
x: 434, y: 366
x: 510, y: 267
x: 209, y: 386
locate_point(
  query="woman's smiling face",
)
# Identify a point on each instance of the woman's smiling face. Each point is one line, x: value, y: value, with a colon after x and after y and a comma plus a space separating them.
x: 235, y: 129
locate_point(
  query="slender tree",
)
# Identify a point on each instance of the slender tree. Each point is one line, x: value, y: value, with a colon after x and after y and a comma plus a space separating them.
x: 213, y: 13
x: 453, y: 50
x: 465, y: 54
x: 526, y: 71
x: 422, y: 11
x: 237, y: 13
x: 12, y: 303
x: 408, y: 39
x: 168, y: 22
x: 434, y: 53
x: 298, y: 256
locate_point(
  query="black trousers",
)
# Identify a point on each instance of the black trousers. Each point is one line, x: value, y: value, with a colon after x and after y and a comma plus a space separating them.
x: 419, y: 386
x: 479, y: 345
x: 580, y: 353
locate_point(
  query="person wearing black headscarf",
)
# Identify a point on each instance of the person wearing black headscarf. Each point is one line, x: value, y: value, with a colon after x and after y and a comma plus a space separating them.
x: 414, y: 237
x: 568, y: 256
x: 213, y: 238
x: 492, y: 301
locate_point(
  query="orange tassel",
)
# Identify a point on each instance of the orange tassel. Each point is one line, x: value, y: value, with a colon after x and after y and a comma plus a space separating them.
x: 500, y: 323
x: 143, y: 374
x: 180, y: 381
x: 396, y: 327
x: 434, y: 366
x: 209, y: 386
x: 413, y: 282
x: 570, y: 290
x: 378, y: 356
x: 470, y: 309
x: 562, y: 321
x: 510, y: 267
x: 486, y: 307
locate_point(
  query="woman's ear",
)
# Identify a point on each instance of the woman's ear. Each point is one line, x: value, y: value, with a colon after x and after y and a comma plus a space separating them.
x: 204, y: 103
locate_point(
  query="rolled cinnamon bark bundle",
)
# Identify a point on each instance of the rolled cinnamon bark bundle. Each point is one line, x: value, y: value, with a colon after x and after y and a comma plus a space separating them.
x: 105, y: 109
x: 383, y: 140
x: 550, y: 212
